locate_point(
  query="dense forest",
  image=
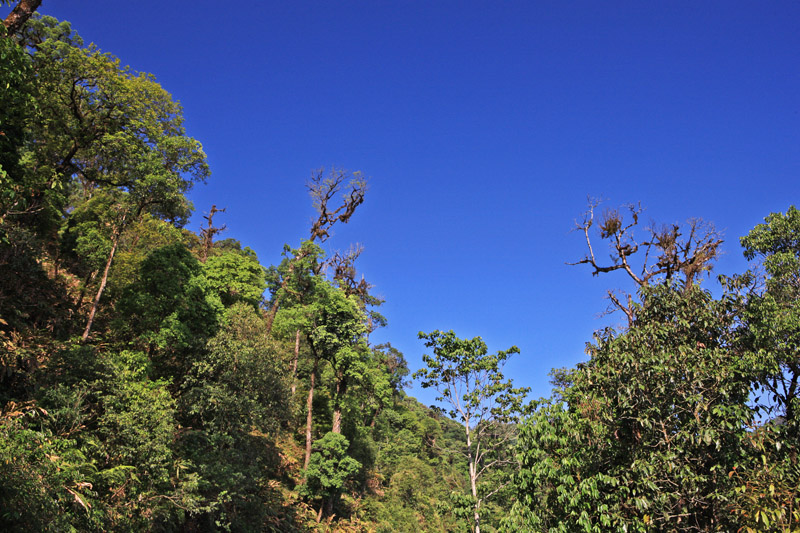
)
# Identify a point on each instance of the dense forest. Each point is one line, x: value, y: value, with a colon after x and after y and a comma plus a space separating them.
x: 157, y: 379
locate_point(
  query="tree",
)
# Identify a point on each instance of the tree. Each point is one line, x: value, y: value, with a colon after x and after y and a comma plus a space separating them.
x: 236, y: 277
x: 106, y: 129
x: 169, y: 311
x: 323, y: 191
x: 207, y: 234
x: 337, y: 335
x: 486, y: 405
x: 239, y: 383
x: 330, y: 467
x: 20, y: 14
x: 292, y: 282
x: 770, y: 327
x: 16, y: 109
x: 646, y: 435
x: 686, y: 252
x: 344, y: 272
x: 773, y: 316
x: 382, y: 382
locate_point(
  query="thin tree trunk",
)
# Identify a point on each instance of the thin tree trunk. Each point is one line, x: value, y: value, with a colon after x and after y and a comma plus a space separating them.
x: 337, y: 420
x: 337, y: 409
x: 341, y: 388
x: 309, y: 417
x: 473, y: 480
x: 100, y: 290
x: 114, y: 242
x: 375, y: 417
x: 294, y: 363
x: 273, y: 311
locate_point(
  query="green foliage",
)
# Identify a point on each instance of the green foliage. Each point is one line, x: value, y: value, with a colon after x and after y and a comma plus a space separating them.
x: 178, y: 415
x: 16, y: 107
x: 419, y: 465
x: 235, y: 399
x: 329, y: 469
x: 770, y: 485
x: 773, y: 316
x: 218, y: 397
x: 29, y: 298
x: 87, y: 236
x: 644, y: 435
x: 236, y: 277
x: 169, y: 309
x: 43, y: 477
x: 470, y: 380
x: 141, y: 238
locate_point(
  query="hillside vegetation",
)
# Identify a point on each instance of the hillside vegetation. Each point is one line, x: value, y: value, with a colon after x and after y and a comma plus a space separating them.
x: 157, y: 379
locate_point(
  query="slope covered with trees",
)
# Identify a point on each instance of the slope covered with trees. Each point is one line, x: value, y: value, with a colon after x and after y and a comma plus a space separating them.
x: 156, y: 379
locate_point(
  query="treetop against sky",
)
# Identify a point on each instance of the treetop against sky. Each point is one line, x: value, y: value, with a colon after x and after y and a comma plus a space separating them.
x: 483, y: 128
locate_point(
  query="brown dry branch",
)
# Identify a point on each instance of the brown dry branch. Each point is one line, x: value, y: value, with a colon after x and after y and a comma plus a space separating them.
x: 686, y: 251
x: 324, y: 190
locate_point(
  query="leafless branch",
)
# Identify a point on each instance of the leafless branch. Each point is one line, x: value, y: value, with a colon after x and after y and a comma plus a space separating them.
x: 687, y: 252
x: 324, y: 189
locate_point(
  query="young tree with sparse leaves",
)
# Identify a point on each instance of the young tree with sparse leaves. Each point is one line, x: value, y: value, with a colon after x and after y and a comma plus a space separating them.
x: 471, y: 382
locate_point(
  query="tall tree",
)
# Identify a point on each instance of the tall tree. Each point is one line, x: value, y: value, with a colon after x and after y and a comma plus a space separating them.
x: 471, y: 382
x: 339, y: 337
x: 773, y: 315
x: 111, y: 129
x: 324, y: 190
x: 770, y: 326
x: 342, y: 265
x: 207, y: 234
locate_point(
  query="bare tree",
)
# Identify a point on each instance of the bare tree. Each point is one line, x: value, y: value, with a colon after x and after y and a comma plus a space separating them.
x: 325, y: 189
x: 668, y: 251
x: 207, y: 233
x: 344, y: 272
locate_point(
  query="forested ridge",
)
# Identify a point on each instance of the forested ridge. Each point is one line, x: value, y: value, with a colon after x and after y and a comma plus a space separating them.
x: 157, y: 379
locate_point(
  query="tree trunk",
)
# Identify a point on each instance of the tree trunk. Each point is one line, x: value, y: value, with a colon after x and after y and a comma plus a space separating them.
x: 473, y: 482
x: 375, y: 416
x: 272, y: 312
x: 337, y: 420
x: 79, y: 301
x: 114, y: 243
x: 20, y: 15
x: 341, y: 388
x: 309, y: 417
x: 294, y: 363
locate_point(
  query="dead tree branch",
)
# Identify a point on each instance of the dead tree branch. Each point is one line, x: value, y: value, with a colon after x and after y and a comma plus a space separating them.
x: 323, y: 191
x: 207, y: 233
x: 679, y: 251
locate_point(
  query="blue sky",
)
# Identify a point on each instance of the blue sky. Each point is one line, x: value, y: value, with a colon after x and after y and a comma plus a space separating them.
x: 483, y: 127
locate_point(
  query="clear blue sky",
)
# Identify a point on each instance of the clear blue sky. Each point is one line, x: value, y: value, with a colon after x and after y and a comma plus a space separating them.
x: 483, y: 126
